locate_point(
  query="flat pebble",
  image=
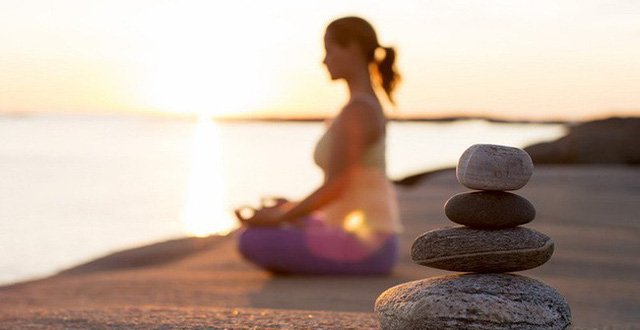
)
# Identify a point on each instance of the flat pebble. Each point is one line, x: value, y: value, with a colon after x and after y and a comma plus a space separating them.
x: 473, y: 301
x: 494, y: 167
x: 464, y: 249
x: 489, y: 209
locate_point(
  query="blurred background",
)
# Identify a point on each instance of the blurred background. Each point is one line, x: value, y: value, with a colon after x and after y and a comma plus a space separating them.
x: 127, y: 122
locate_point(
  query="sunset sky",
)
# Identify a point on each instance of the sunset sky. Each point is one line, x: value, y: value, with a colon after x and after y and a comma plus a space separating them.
x: 544, y: 59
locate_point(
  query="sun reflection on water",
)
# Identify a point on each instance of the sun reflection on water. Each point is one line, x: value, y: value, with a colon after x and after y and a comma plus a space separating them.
x: 204, y: 211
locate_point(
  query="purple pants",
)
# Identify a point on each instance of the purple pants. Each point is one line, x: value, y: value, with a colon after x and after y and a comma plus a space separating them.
x: 317, y: 249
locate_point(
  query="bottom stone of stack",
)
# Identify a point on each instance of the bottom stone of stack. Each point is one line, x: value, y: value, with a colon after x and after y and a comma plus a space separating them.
x: 473, y: 301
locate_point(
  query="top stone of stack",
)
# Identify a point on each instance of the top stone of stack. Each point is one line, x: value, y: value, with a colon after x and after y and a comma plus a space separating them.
x: 494, y: 167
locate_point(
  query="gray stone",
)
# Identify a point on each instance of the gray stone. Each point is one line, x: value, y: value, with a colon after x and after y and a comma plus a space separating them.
x: 494, y: 167
x: 464, y: 249
x: 473, y: 301
x: 489, y: 209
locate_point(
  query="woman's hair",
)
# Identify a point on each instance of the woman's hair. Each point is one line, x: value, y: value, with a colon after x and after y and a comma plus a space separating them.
x: 350, y: 29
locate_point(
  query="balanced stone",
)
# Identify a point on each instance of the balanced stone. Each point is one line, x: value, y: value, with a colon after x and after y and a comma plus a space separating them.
x: 494, y: 167
x: 465, y: 249
x: 473, y: 301
x: 489, y: 209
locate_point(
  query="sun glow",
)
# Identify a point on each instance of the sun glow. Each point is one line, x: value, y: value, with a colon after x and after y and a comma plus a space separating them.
x: 206, y: 62
x: 354, y: 221
x: 511, y: 59
x: 204, y: 212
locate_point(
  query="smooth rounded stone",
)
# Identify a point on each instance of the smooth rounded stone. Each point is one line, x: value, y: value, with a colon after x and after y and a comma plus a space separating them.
x: 464, y: 249
x: 494, y: 167
x: 489, y: 209
x: 473, y: 301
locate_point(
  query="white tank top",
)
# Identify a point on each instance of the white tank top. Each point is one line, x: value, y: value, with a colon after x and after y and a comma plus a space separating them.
x: 369, y: 202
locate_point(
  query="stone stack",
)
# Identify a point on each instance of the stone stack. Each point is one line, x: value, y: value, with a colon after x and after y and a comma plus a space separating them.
x: 489, y: 244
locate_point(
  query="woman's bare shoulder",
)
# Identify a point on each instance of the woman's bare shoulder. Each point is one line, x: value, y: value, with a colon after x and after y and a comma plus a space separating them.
x: 362, y: 116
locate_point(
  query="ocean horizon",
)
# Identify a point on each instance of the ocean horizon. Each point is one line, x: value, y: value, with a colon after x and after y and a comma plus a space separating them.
x: 77, y: 187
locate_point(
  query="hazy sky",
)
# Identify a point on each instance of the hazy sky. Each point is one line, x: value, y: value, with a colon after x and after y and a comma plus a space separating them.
x: 518, y: 59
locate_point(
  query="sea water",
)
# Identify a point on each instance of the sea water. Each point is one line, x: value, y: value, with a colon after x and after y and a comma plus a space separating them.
x: 76, y: 187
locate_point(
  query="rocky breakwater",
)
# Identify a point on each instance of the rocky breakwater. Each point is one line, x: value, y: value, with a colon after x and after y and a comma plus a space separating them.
x: 490, y: 243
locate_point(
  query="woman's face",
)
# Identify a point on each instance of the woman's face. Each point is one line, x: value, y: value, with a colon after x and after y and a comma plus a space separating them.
x: 337, y: 58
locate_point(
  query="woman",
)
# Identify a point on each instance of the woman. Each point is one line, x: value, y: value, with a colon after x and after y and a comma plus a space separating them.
x: 349, y: 225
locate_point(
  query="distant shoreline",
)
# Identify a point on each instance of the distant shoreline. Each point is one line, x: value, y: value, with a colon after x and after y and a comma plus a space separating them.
x: 171, y: 116
x: 413, y: 119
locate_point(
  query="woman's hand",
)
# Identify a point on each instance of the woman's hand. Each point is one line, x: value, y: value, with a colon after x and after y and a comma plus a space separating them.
x: 270, y: 215
x: 268, y: 202
x: 266, y: 217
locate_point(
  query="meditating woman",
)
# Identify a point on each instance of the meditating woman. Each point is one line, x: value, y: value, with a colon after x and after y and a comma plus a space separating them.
x: 349, y: 225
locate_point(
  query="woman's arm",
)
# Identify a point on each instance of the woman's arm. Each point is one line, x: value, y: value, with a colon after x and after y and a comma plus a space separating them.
x: 353, y: 132
x: 356, y: 128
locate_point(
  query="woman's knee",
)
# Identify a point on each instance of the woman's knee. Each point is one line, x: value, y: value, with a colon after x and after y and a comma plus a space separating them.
x: 260, y: 244
x: 387, y: 257
x: 245, y: 243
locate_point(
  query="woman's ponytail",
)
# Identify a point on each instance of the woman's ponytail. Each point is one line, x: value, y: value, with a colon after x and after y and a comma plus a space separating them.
x: 356, y: 30
x: 388, y: 75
